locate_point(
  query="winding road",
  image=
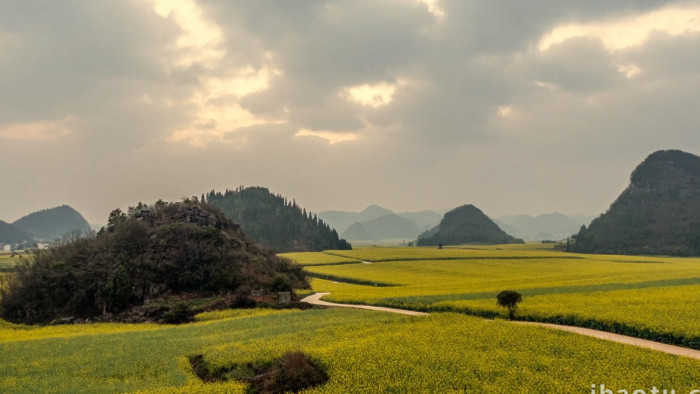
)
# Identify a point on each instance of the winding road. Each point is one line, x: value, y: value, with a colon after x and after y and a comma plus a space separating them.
x: 315, y: 299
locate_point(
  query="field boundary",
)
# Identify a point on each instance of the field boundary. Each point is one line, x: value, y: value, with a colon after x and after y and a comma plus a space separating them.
x: 459, y: 258
x: 667, y: 343
x: 541, y: 291
x: 329, y: 264
x: 350, y: 281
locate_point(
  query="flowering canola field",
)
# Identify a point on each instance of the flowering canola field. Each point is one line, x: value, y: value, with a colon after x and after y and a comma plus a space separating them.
x: 363, y: 352
x: 369, y: 351
x: 649, y: 297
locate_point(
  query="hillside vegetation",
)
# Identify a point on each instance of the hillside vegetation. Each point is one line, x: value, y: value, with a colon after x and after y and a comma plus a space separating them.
x: 169, y: 248
x: 275, y: 222
x: 10, y: 234
x: 658, y: 213
x: 466, y: 225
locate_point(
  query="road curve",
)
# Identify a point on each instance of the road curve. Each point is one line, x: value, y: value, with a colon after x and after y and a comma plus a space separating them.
x: 608, y: 336
x: 315, y: 299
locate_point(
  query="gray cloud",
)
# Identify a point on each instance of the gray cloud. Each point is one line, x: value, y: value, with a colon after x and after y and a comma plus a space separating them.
x: 478, y: 113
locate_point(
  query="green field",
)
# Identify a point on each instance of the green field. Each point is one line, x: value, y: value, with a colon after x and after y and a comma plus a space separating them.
x: 369, y: 351
x: 314, y: 258
x: 649, y: 297
x: 363, y: 351
x: 8, y: 261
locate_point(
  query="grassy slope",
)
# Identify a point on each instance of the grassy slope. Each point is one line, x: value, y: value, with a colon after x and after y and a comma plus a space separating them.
x: 364, y: 352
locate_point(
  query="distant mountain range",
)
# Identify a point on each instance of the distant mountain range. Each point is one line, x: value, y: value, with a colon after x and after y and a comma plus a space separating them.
x: 549, y: 226
x: 378, y: 223
x: 389, y: 226
x: 366, y: 225
x: 341, y: 220
x: 46, y: 225
x: 466, y: 224
x: 658, y: 213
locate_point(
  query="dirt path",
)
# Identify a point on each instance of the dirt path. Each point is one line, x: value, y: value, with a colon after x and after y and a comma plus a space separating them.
x: 315, y: 299
x: 608, y: 336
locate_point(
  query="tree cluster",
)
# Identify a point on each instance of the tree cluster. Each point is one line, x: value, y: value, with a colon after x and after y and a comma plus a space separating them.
x: 148, y: 252
x: 275, y: 222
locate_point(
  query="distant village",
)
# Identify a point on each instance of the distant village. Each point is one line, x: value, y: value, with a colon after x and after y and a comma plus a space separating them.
x: 23, y: 247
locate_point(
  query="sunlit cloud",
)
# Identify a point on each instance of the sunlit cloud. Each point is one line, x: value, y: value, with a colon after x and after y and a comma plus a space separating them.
x: 546, y: 85
x: 38, y: 131
x: 214, y: 123
x: 331, y: 137
x: 240, y: 84
x: 629, y: 70
x: 200, y: 41
x: 434, y: 8
x: 216, y: 111
x: 630, y: 31
x: 504, y: 111
x: 374, y: 96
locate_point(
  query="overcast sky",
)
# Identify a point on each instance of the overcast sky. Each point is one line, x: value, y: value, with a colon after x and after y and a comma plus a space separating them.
x: 513, y: 106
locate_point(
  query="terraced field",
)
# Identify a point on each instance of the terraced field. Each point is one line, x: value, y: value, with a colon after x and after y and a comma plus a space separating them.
x: 362, y: 351
x: 650, y: 297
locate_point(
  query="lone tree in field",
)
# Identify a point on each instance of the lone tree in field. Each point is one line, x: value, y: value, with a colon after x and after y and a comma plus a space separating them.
x: 509, y: 299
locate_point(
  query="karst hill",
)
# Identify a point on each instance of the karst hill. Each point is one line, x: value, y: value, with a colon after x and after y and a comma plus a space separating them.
x: 146, y: 253
x: 658, y: 213
x: 53, y: 223
x: 276, y: 222
x: 466, y: 225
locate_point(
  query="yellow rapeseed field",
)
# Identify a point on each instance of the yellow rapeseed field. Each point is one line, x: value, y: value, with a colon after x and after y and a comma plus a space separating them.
x: 652, y: 297
x: 369, y: 351
x: 363, y: 352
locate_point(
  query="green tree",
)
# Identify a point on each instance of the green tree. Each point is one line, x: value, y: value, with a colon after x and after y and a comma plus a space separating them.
x: 509, y: 299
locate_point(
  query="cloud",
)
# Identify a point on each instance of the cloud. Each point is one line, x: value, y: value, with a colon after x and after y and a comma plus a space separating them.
x: 37, y: 131
x: 374, y: 96
x: 200, y: 41
x: 342, y: 103
x: 330, y: 136
x: 629, y: 31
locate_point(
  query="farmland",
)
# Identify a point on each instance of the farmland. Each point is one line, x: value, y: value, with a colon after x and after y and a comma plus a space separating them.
x: 650, y: 297
x: 8, y: 261
x: 368, y: 351
x: 363, y: 351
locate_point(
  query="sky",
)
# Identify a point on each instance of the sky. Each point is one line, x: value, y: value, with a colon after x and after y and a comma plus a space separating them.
x: 517, y: 107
